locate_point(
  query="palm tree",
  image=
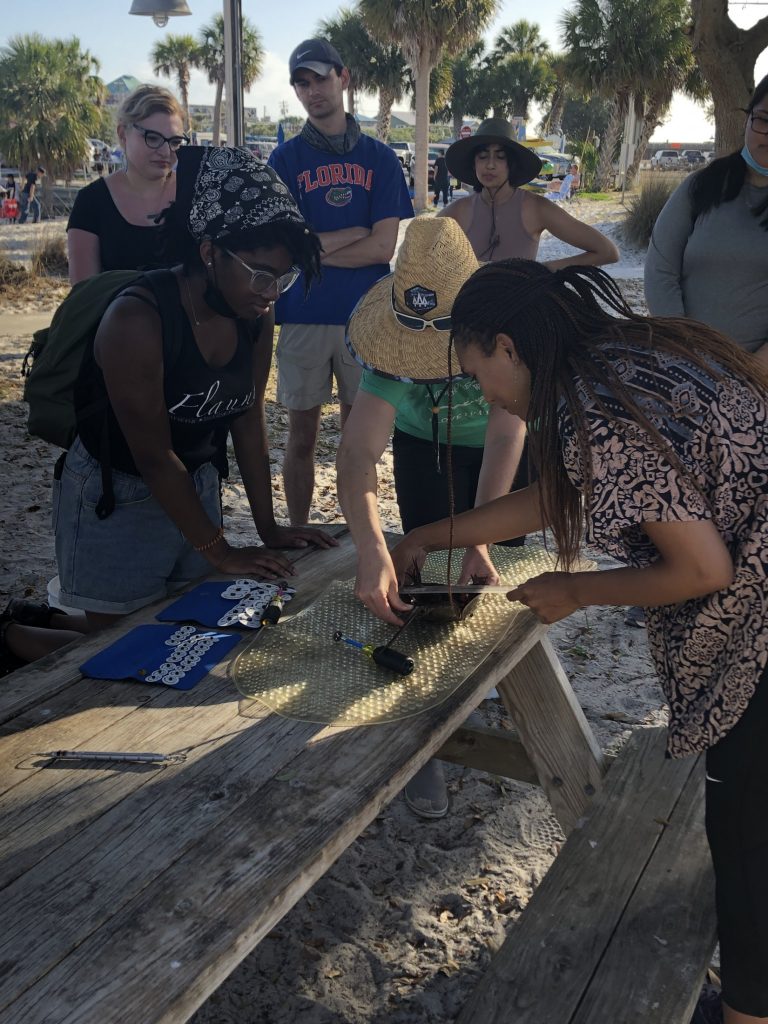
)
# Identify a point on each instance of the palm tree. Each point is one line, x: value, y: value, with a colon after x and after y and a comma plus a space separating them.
x: 463, y: 98
x: 211, y: 59
x: 347, y: 32
x: 426, y: 30
x: 521, y: 37
x: 51, y: 103
x: 625, y: 51
x: 177, y: 55
x: 552, y: 123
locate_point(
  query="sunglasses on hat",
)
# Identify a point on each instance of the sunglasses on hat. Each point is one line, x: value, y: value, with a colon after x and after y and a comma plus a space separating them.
x: 417, y: 323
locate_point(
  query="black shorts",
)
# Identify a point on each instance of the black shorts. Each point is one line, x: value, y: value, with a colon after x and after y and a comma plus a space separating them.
x: 737, y: 829
x: 422, y: 491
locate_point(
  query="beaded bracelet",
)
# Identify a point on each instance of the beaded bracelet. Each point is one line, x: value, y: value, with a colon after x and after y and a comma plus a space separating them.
x: 219, y: 535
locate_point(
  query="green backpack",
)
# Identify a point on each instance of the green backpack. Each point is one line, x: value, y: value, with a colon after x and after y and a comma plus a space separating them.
x: 53, y: 363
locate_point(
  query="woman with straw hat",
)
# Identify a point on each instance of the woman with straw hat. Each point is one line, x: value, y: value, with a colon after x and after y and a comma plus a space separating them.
x: 651, y: 443
x: 504, y: 221
x: 399, y: 332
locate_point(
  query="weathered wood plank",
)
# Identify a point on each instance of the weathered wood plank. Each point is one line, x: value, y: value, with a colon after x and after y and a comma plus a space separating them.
x: 489, y: 750
x: 554, y: 732
x: 546, y: 964
x: 655, y: 965
x: 205, y: 904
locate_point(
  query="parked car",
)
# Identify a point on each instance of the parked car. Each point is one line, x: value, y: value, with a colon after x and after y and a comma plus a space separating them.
x: 665, y: 159
x: 558, y: 162
x: 708, y: 155
x: 404, y: 152
x: 693, y: 157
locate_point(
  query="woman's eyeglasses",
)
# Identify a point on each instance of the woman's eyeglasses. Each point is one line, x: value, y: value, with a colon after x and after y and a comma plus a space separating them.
x: 156, y: 141
x: 759, y: 123
x: 262, y: 281
x: 417, y: 323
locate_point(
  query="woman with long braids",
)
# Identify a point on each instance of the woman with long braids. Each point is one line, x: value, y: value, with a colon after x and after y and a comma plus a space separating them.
x: 650, y: 438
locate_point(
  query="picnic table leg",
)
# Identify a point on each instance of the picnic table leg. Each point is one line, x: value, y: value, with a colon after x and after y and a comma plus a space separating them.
x: 554, y: 732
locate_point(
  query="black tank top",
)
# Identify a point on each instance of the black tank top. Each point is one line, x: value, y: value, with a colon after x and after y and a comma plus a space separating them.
x: 202, y: 400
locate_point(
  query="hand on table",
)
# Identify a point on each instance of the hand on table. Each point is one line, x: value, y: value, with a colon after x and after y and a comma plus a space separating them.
x: 549, y: 596
x: 298, y: 537
x: 256, y: 561
x: 376, y: 586
x: 477, y: 566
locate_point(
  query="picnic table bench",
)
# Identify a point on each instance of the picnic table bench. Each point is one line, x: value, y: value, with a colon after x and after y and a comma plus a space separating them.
x: 130, y: 892
x: 622, y: 927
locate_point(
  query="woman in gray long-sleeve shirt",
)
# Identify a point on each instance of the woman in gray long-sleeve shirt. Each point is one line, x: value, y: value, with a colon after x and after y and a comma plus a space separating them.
x: 708, y: 257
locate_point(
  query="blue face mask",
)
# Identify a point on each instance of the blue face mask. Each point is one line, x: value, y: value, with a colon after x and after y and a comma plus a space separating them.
x: 750, y: 161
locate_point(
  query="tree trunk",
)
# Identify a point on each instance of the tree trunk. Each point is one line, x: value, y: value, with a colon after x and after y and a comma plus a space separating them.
x: 458, y: 121
x: 384, y: 116
x: 654, y: 114
x: 421, y: 73
x: 184, y: 90
x: 217, y: 112
x: 554, y: 122
x: 604, y: 176
x: 726, y: 56
x: 351, y: 89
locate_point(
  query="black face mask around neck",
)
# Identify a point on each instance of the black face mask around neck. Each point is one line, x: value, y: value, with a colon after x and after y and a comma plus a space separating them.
x: 213, y: 298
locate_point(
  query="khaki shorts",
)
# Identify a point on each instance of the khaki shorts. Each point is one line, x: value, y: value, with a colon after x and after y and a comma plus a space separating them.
x: 309, y: 356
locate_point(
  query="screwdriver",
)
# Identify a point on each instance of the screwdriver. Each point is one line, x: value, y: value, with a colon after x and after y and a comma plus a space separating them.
x: 387, y: 657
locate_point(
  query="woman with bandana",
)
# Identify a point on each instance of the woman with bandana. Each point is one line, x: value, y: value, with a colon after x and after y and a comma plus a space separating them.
x: 240, y: 242
x: 708, y: 257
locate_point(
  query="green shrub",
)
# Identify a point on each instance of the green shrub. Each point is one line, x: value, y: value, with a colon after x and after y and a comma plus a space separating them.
x: 644, y: 208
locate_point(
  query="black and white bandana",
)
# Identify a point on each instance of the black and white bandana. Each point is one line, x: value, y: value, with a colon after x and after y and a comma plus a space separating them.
x: 226, y: 192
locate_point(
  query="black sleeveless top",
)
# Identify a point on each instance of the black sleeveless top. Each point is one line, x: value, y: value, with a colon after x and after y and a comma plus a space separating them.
x: 202, y: 400
x: 123, y: 246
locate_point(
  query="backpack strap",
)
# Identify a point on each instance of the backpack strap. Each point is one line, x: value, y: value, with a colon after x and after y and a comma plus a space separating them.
x: 162, y: 284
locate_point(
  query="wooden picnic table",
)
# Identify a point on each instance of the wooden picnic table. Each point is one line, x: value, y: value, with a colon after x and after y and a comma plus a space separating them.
x: 130, y: 892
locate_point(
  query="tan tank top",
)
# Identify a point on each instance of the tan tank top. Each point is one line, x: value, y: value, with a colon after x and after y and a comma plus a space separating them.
x: 506, y: 238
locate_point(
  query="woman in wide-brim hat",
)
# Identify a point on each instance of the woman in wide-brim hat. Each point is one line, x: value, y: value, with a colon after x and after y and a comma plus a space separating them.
x: 400, y: 333
x: 503, y: 221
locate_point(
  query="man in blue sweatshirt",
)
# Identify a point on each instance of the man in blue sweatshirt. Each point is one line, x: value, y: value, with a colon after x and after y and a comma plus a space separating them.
x: 352, y: 191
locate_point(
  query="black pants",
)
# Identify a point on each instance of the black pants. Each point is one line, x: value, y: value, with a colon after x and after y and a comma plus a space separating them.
x: 737, y: 830
x: 438, y: 189
x: 422, y: 491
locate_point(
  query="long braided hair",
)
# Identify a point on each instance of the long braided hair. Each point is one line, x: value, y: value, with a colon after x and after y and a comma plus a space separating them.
x: 569, y: 328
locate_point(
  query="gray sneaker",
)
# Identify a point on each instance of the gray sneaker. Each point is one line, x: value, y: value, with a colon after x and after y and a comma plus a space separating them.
x: 427, y: 794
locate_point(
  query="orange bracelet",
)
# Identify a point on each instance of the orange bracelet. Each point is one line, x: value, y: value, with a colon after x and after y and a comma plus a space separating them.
x: 219, y: 535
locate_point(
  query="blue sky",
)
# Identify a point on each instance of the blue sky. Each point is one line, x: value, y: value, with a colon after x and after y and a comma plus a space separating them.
x: 122, y: 43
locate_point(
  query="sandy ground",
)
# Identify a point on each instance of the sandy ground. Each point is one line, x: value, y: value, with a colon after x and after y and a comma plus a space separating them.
x: 399, y: 929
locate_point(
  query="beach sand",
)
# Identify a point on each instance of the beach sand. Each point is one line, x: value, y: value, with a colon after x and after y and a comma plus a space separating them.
x: 400, y: 928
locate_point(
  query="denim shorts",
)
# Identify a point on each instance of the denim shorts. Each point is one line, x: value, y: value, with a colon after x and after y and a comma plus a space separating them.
x: 133, y: 557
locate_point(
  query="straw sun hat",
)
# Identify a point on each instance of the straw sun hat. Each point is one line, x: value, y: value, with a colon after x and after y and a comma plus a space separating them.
x: 401, y: 327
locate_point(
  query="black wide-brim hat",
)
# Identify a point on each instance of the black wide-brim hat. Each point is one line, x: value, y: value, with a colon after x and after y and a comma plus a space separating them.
x: 524, y: 165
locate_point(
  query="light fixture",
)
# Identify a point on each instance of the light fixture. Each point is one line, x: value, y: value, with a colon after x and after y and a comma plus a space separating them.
x: 160, y: 10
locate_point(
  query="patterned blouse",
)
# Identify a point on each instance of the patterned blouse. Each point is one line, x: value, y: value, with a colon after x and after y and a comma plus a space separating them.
x: 709, y: 652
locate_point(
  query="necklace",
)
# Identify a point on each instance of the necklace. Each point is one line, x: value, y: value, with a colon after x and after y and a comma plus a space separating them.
x: 191, y: 303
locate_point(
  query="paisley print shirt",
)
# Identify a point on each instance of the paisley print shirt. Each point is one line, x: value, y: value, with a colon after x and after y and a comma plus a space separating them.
x: 710, y: 651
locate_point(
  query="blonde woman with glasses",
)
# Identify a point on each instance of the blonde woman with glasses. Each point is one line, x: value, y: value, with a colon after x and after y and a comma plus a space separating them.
x: 113, y: 221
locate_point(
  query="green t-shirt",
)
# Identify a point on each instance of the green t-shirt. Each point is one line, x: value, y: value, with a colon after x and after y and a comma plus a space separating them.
x: 413, y: 403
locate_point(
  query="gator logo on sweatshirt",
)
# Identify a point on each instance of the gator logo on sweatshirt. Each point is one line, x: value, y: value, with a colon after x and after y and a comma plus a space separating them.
x: 340, y: 196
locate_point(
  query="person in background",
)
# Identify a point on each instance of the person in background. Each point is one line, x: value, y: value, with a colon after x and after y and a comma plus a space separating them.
x: 29, y: 197
x: 10, y: 186
x: 399, y: 333
x: 351, y: 190
x: 441, y: 180
x: 651, y: 444
x: 708, y: 255
x: 240, y: 242
x: 113, y: 223
x: 503, y: 220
